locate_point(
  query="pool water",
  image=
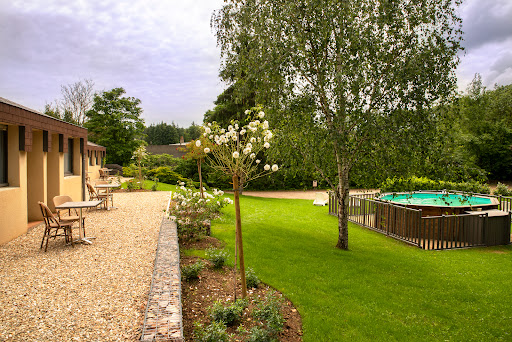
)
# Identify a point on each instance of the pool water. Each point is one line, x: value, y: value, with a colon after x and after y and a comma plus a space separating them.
x: 436, y: 199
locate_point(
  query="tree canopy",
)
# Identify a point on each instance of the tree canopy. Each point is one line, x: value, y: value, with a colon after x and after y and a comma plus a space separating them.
x: 114, y: 122
x: 368, y: 69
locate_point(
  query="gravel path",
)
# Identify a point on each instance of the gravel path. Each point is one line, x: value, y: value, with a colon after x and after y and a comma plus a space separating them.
x: 92, y: 292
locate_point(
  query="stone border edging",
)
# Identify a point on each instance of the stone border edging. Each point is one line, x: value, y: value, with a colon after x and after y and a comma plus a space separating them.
x: 163, y: 319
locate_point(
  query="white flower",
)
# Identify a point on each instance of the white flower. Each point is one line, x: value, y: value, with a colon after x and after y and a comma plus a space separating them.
x: 242, y: 131
x: 207, y: 130
x: 209, y: 124
x: 230, y: 128
x: 249, y: 146
x: 247, y: 111
x: 265, y: 124
x: 275, y: 168
x: 236, y: 154
x: 261, y: 115
x: 252, y: 156
x: 266, y: 167
x: 236, y: 127
x: 223, y: 131
x: 211, y: 137
x: 266, y: 145
x: 198, y: 143
x: 206, y: 150
x: 205, y: 134
x: 247, y: 150
x: 258, y: 161
x: 234, y: 137
x: 253, y: 139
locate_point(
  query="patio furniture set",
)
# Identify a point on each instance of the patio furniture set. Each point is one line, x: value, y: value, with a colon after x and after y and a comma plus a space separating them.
x: 69, y: 212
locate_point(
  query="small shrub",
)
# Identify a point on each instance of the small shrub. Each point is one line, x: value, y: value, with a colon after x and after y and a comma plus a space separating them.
x: 215, y: 332
x: 502, y: 190
x: 155, y: 184
x: 251, y: 279
x: 230, y: 314
x: 422, y: 183
x: 191, y: 272
x: 166, y: 175
x: 133, y: 184
x: 217, y: 257
x: 268, y: 311
x: 259, y: 334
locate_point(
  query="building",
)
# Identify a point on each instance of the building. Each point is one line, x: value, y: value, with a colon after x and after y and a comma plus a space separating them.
x: 175, y: 150
x: 40, y: 157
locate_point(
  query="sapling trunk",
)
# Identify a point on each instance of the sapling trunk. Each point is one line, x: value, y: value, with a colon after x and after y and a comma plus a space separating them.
x: 239, y: 235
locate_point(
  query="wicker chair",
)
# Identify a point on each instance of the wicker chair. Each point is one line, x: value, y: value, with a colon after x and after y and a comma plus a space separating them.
x: 72, y: 214
x: 94, y: 195
x: 54, y: 226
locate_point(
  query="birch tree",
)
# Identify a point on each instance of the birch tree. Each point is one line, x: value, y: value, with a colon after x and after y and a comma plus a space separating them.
x: 371, y: 68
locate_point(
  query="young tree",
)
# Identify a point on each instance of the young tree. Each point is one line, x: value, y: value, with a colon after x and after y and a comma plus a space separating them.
x: 236, y: 151
x: 114, y: 122
x: 372, y: 68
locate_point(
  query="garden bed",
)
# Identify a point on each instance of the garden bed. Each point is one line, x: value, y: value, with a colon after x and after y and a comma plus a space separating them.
x: 218, y: 285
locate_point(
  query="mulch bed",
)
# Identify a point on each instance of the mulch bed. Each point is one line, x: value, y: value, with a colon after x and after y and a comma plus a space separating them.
x: 214, y: 285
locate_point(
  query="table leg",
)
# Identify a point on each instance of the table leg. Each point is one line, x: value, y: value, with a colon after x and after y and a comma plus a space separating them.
x: 81, y: 231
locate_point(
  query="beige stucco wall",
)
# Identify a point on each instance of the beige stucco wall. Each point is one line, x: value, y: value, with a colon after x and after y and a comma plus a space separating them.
x: 36, y: 177
x: 13, y: 199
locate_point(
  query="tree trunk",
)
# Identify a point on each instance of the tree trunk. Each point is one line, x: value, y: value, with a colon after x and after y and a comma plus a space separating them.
x: 200, y: 178
x: 239, y: 235
x: 342, y: 194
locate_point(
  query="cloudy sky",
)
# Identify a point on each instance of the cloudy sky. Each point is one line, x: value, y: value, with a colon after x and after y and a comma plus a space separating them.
x: 164, y: 52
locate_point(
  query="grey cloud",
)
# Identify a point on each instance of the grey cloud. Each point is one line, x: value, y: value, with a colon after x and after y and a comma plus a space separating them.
x: 486, y: 22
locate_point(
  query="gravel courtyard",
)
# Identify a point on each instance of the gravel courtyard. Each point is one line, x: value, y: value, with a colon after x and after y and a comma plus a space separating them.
x: 92, y: 292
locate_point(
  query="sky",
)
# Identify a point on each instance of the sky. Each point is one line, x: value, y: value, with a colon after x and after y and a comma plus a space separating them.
x: 164, y: 52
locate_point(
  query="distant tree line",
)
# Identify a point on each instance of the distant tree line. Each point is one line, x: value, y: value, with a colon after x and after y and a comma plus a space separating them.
x: 165, y: 134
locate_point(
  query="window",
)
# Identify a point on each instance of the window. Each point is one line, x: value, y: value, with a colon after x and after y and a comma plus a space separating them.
x: 68, y: 159
x: 3, y: 155
x: 90, y: 158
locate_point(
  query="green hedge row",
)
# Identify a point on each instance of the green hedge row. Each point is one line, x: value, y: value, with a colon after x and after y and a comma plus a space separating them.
x: 423, y: 183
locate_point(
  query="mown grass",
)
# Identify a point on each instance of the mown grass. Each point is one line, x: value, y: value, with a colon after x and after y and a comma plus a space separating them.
x: 379, y: 290
x: 148, y: 184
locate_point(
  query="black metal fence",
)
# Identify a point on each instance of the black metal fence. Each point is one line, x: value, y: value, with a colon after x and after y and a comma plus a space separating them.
x: 432, y: 232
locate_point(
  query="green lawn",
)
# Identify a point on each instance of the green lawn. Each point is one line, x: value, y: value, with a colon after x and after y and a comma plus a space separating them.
x: 159, y: 187
x: 380, y: 290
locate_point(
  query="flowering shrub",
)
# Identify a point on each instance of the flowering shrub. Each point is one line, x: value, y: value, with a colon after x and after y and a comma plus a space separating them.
x: 193, y: 213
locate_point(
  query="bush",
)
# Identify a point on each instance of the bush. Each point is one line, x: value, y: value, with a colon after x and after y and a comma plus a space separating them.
x: 251, y: 279
x: 133, y: 184
x: 422, y: 183
x: 502, y: 190
x: 215, y: 332
x: 130, y: 171
x: 268, y: 311
x: 230, y: 314
x: 217, y: 257
x: 259, y: 334
x: 166, y: 175
x: 191, y: 272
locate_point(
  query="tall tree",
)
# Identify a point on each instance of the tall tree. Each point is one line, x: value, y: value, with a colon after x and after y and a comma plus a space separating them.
x: 372, y: 67
x: 114, y: 122
x: 230, y: 105
x: 77, y: 99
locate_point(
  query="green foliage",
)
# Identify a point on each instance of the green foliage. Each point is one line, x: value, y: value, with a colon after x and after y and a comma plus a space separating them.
x: 422, y: 183
x: 230, y: 106
x: 214, y: 332
x: 155, y: 160
x: 165, y: 134
x: 229, y: 314
x: 114, y: 122
x: 260, y: 334
x: 192, y: 271
x: 502, y: 190
x: 134, y: 184
x: 217, y: 257
x: 251, y: 279
x: 154, y: 186
x: 165, y: 175
x: 268, y: 310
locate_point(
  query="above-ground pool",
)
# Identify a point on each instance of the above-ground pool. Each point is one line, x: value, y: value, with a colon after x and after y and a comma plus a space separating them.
x: 439, y: 203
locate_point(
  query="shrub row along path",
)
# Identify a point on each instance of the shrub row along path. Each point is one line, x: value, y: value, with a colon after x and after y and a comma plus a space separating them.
x: 297, y: 194
x: 92, y: 292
